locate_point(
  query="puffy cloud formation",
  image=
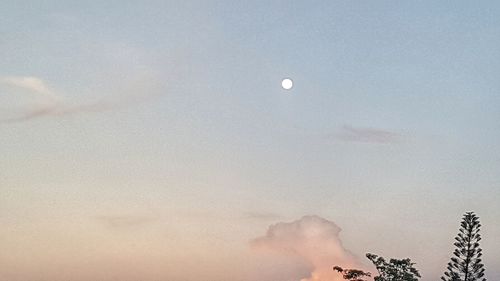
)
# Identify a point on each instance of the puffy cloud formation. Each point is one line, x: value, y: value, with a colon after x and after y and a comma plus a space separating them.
x: 315, y: 240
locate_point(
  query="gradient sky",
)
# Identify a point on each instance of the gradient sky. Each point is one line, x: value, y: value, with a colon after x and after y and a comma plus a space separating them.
x: 151, y: 140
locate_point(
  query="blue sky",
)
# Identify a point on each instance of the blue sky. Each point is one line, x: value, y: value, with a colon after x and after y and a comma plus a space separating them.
x: 164, y: 123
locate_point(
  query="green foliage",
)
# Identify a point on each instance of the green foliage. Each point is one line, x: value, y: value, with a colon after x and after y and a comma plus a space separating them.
x: 466, y: 263
x: 394, y: 270
x: 352, y: 274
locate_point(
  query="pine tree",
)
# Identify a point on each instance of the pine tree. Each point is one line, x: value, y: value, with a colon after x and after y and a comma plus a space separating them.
x: 466, y: 265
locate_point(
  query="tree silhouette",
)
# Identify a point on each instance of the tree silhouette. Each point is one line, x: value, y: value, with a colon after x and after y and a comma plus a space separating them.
x: 352, y: 274
x: 466, y: 265
x: 394, y: 270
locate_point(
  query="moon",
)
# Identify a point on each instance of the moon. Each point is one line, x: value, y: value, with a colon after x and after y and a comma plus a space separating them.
x: 287, y: 84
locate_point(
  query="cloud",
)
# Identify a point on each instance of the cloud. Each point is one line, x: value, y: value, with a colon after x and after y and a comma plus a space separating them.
x: 43, y: 101
x: 367, y: 135
x: 33, y: 84
x: 125, y: 221
x: 315, y: 240
x: 265, y: 216
x: 29, y: 97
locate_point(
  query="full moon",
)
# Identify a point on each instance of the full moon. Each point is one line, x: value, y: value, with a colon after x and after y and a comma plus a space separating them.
x: 287, y: 83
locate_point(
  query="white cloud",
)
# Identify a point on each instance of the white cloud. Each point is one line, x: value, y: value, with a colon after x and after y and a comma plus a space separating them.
x: 315, y: 240
x: 29, y: 83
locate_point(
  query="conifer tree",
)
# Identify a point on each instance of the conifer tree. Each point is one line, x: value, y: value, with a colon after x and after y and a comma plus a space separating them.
x: 466, y: 263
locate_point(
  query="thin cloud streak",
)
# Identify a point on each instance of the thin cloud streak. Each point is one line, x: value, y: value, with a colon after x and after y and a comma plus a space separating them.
x: 262, y: 216
x: 367, y: 135
x: 50, y: 104
x: 32, y: 114
x: 125, y: 221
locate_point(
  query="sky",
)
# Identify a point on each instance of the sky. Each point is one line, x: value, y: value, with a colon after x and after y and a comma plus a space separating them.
x: 151, y: 140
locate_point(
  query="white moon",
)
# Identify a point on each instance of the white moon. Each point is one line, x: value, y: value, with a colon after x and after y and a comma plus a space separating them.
x: 287, y: 83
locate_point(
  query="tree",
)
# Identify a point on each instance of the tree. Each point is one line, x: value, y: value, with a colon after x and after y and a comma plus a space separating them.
x: 352, y: 274
x: 466, y: 264
x: 394, y: 270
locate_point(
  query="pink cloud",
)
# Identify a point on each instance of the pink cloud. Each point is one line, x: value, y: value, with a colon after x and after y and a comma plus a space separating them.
x: 315, y: 240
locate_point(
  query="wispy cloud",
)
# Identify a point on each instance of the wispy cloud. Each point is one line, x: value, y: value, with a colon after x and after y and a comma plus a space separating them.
x: 30, y: 83
x: 125, y: 221
x: 262, y: 216
x: 366, y: 135
x: 46, y: 102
